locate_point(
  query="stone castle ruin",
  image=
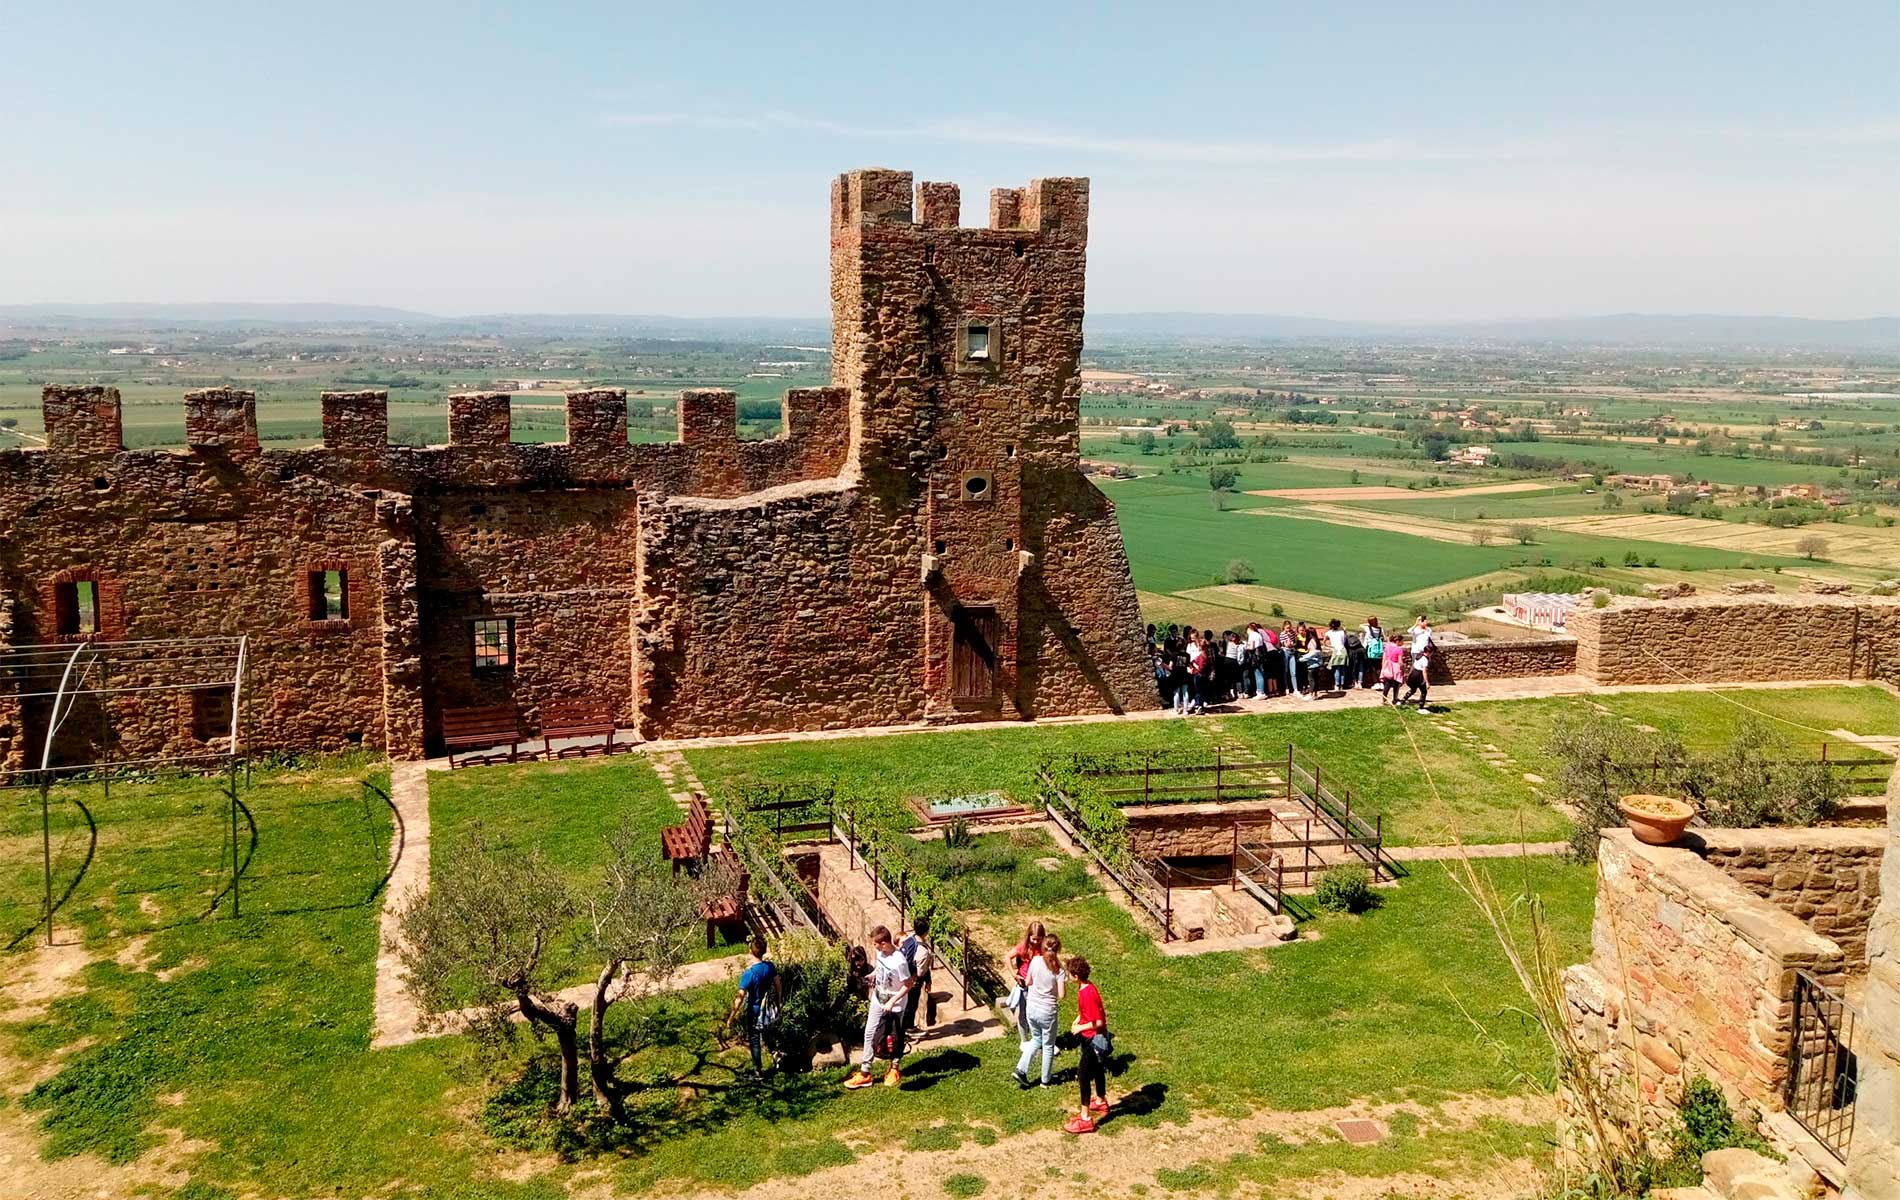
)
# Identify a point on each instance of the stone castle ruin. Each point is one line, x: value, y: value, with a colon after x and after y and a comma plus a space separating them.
x: 918, y: 544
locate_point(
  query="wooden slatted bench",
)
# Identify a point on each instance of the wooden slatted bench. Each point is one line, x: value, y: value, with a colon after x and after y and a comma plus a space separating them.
x: 583, y: 717
x: 727, y: 906
x: 482, y: 735
x: 689, y: 844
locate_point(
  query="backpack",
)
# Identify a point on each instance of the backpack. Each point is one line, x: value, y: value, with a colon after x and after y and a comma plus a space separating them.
x: 889, y: 1042
x: 1354, y: 645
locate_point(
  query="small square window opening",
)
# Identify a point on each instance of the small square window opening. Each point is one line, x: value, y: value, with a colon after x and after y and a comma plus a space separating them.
x: 977, y: 343
x: 210, y: 714
x: 494, y: 639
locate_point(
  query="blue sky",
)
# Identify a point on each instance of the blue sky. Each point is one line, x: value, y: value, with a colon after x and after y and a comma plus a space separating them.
x: 1403, y: 161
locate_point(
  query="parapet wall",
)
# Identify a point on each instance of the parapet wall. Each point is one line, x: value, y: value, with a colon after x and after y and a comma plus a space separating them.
x: 1739, y: 639
x: 1462, y: 662
x: 1692, y: 974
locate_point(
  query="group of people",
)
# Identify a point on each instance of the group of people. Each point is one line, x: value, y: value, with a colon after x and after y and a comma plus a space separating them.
x: 1195, y: 668
x: 894, y: 979
x: 1043, y: 977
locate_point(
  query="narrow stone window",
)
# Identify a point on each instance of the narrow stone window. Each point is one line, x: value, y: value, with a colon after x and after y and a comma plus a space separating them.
x: 977, y: 343
x: 78, y: 605
x: 329, y: 595
x: 494, y: 643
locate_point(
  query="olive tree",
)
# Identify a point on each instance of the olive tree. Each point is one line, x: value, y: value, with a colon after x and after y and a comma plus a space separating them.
x: 483, y: 933
x: 480, y: 936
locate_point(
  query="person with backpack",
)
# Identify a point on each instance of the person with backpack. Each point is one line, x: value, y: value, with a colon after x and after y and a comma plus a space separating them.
x: 1289, y: 656
x: 1042, y: 1000
x: 916, y: 952
x: 1198, y: 668
x: 884, y: 1022
x: 1372, y: 643
x: 761, y: 993
x: 1091, y: 1025
x: 1259, y: 646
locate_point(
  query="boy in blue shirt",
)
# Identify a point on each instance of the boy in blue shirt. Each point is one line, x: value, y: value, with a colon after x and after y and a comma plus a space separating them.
x: 761, y: 991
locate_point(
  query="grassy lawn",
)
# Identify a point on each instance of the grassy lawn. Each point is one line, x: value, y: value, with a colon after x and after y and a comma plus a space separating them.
x: 1370, y: 1010
x: 565, y: 810
x: 250, y: 1036
x: 1014, y: 868
x: 1365, y: 749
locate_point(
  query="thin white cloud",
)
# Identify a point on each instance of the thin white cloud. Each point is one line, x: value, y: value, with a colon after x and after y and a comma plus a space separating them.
x: 987, y: 132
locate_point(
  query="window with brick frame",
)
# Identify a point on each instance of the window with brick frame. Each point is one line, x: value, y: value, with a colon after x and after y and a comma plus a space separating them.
x: 330, y: 594
x: 78, y: 608
x: 493, y: 642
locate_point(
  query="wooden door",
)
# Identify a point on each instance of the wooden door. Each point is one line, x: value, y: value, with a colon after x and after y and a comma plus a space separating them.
x: 973, y: 654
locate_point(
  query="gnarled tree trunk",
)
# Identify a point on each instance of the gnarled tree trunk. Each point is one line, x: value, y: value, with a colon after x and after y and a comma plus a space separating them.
x: 561, y: 1017
x: 600, y: 1067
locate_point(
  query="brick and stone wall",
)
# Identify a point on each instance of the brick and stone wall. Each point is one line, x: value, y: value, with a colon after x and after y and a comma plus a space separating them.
x: 1691, y: 974
x: 1482, y: 658
x: 1873, y: 1166
x: 1827, y: 878
x: 1739, y: 639
x: 918, y: 542
x: 1194, y: 830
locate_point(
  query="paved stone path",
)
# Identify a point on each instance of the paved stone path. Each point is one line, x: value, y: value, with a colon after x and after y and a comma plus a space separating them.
x: 396, y: 1014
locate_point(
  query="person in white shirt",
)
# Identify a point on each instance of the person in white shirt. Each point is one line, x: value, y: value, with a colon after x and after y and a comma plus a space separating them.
x: 890, y: 987
x: 1421, y: 632
x: 1042, y: 999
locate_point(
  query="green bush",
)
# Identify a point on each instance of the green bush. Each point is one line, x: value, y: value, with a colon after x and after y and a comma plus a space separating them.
x: 1346, y: 887
x: 818, y: 997
x: 1706, y: 1123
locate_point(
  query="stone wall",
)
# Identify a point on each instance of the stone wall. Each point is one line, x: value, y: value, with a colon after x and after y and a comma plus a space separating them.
x: 1464, y: 661
x: 1691, y: 974
x: 1194, y: 830
x: 918, y: 542
x: 1827, y: 878
x: 1739, y: 639
x: 1873, y: 1167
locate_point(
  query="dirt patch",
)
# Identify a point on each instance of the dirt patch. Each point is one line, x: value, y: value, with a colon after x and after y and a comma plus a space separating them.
x: 1130, y: 1156
x: 46, y: 973
x: 87, y: 1176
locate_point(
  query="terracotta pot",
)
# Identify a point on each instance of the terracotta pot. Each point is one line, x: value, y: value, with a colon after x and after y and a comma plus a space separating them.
x: 1645, y: 815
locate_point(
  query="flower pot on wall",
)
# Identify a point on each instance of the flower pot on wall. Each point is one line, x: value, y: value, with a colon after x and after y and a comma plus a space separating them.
x: 1655, y: 820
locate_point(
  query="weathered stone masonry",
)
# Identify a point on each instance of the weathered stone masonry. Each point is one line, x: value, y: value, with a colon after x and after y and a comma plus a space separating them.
x: 919, y: 542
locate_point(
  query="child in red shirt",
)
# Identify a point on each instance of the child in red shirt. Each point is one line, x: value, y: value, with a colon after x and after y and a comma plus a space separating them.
x: 1091, y: 1025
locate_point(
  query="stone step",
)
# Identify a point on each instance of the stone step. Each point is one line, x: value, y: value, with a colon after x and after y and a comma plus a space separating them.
x: 1739, y: 1174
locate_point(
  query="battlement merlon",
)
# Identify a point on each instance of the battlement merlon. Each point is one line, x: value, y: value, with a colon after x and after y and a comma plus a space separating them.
x: 356, y: 422
x: 82, y: 420
x: 1056, y: 209
x: 480, y: 418
x: 221, y: 421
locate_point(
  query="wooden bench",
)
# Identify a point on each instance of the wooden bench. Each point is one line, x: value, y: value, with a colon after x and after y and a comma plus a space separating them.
x: 727, y: 906
x: 689, y: 844
x: 585, y: 717
x: 481, y: 734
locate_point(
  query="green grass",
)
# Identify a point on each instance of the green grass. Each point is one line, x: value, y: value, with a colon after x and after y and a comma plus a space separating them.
x: 565, y: 810
x: 1001, y: 870
x: 1704, y: 721
x: 258, y: 1043
x: 1369, y: 1011
x: 1366, y: 748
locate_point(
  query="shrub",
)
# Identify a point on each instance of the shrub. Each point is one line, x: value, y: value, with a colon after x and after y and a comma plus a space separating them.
x: 1523, y: 534
x: 1707, y: 1124
x: 1241, y: 571
x: 1346, y: 887
x: 818, y: 997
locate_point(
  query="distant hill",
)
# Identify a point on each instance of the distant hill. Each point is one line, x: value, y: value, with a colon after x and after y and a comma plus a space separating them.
x: 1629, y: 330
x: 1661, y: 331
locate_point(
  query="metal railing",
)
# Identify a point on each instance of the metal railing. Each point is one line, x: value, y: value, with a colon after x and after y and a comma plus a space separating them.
x: 1135, y: 880
x: 1823, y: 1072
x: 973, y: 975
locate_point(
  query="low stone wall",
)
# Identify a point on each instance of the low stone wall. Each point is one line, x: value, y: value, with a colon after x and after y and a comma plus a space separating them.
x: 1691, y: 974
x: 1827, y: 878
x: 1462, y: 662
x: 1739, y: 639
x: 1194, y: 830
